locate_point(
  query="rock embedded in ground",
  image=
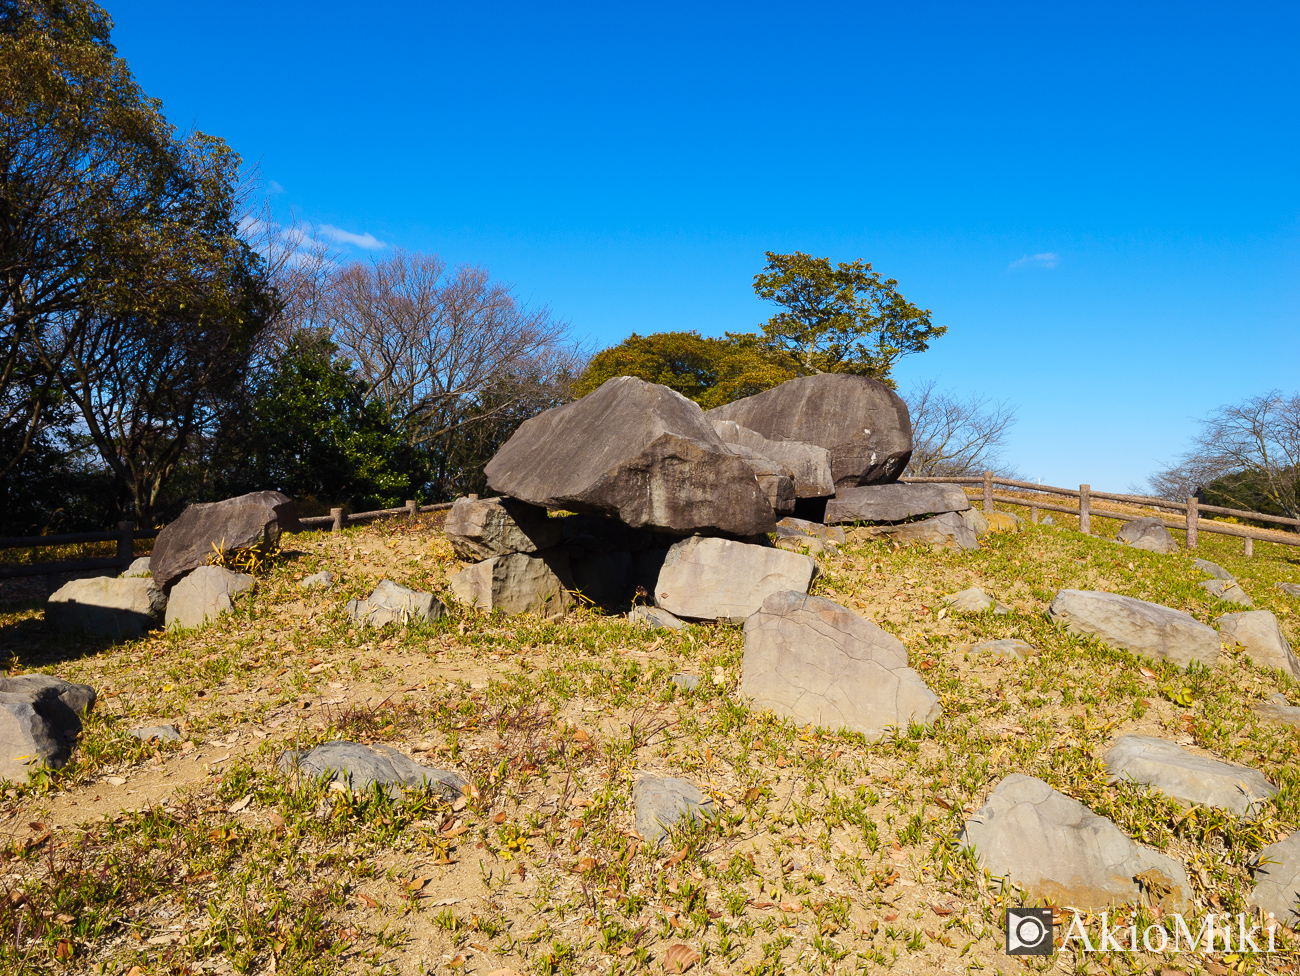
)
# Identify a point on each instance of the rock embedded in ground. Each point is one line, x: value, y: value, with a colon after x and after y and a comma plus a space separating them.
x: 686, y: 682
x: 705, y: 578
x: 1280, y: 712
x: 1008, y: 649
x: 812, y: 660
x: 1002, y: 522
x: 1048, y: 520
x: 168, y: 733
x: 791, y: 526
x: 638, y: 452
x: 249, y: 521
x: 204, y: 595
x: 893, y: 503
x: 653, y: 617
x: 860, y: 421
x: 389, y: 603
x: 1137, y: 626
x: 138, y: 567
x: 975, y: 600
x: 808, y: 464
x: 1228, y: 591
x: 1259, y: 632
x: 1277, y: 881
x: 1147, y: 533
x: 1186, y: 777
x: 107, y: 606
x: 1213, y: 569
x: 661, y: 802
x: 40, y: 718
x: 359, y: 767
x: 517, y: 583
x: 947, y: 531
x: 977, y: 522
x: 1290, y: 589
x: 1057, y: 849
x: 481, y: 528
x: 317, y: 581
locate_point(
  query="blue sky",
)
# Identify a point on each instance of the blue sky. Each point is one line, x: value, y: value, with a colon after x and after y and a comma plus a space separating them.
x: 1102, y: 203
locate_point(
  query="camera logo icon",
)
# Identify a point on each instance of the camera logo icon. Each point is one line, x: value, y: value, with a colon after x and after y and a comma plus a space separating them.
x: 1029, y: 931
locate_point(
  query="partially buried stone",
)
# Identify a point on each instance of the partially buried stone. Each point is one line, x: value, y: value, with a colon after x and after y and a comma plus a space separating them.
x: 481, y: 528
x: 1259, y: 632
x: 810, y: 544
x: 1007, y: 649
x: 165, y: 732
x: 1277, y: 881
x: 1138, y: 626
x: 653, y: 617
x: 1149, y: 534
x: 946, y: 531
x: 1228, y: 591
x: 975, y: 600
x: 317, y: 581
x: 719, y: 579
x: 1213, y: 569
x: 662, y: 801
x: 686, y: 682
x: 1186, y: 777
x: 393, y: 604
x: 1290, y: 589
x: 1277, y: 709
x: 204, y: 595
x: 1056, y: 848
x: 791, y: 526
x: 358, y: 767
x: 517, y: 583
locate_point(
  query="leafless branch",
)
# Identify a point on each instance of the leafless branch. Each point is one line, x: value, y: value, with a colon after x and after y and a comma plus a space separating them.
x: 952, y: 436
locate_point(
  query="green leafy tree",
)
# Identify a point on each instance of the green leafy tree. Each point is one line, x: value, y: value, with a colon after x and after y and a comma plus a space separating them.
x: 844, y: 318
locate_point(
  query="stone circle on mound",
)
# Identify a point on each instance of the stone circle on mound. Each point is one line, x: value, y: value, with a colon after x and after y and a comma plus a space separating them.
x: 706, y: 578
x: 1187, y: 777
x: 811, y: 660
x: 1138, y: 626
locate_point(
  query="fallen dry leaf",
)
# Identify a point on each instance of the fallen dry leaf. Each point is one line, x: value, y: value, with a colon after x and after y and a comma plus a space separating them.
x: 676, y: 859
x: 457, y: 960
x: 240, y: 804
x: 370, y: 903
x: 680, y: 958
x: 500, y: 818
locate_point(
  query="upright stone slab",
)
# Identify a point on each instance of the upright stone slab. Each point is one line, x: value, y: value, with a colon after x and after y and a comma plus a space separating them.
x: 809, y: 465
x: 1135, y: 625
x: 662, y: 801
x: 204, y: 595
x: 249, y: 521
x: 638, y: 452
x: 707, y: 578
x: 359, y: 768
x: 860, y: 421
x: 1277, y: 881
x: 517, y: 583
x: 107, y: 606
x: 946, y: 531
x: 1057, y: 849
x: 1261, y: 635
x: 390, y: 603
x: 894, y: 503
x: 485, y: 527
x: 1149, y: 534
x: 1187, y: 777
x: 812, y: 660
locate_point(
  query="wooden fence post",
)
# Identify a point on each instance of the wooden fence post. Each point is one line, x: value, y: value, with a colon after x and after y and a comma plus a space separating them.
x: 125, y: 543
x: 988, y: 490
x: 412, y: 509
x: 1193, y: 516
x: 1250, y: 546
x: 1085, y: 509
x: 339, y: 519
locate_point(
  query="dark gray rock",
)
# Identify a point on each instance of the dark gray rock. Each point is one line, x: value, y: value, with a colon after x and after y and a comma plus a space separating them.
x: 517, y: 583
x: 358, y: 767
x: 1228, y: 591
x: 107, y: 606
x: 790, y: 526
x: 773, y: 477
x: 808, y: 464
x: 1147, y: 533
x: 1277, y: 881
x: 812, y: 660
x: 249, y: 521
x: 661, y: 801
x: 638, y: 452
x: 167, y: 733
x: 40, y: 718
x: 1259, y: 632
x: 1213, y: 569
x: 1057, y: 849
x: 894, y: 503
x: 863, y: 423
x: 947, y: 531
x: 654, y: 617
x: 393, y: 604
x: 1135, y: 625
x: 719, y: 579
x: 203, y: 595
x: 1186, y: 777
x: 485, y: 527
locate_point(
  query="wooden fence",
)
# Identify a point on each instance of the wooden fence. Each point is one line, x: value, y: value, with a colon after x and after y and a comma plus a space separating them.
x: 127, y: 533
x: 1029, y: 495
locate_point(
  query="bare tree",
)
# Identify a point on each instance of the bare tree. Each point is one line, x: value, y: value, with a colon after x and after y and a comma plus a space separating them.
x: 952, y: 436
x: 431, y: 343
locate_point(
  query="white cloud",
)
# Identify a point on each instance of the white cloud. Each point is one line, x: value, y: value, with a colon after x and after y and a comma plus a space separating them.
x: 340, y: 236
x: 273, y: 188
x: 1045, y: 260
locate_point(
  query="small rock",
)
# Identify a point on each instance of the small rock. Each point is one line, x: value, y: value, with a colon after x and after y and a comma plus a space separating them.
x: 1056, y: 848
x: 1277, y: 880
x: 1228, y: 591
x: 1138, y: 626
x: 1282, y: 713
x: 359, y: 767
x: 653, y: 617
x: 107, y: 606
x: 1261, y: 635
x: 138, y: 567
x: 167, y: 732
x: 947, y: 531
x: 115, y: 780
x: 393, y: 604
x: 1047, y: 520
x: 1003, y: 521
x: 1213, y: 569
x: 1186, y: 777
x: 1290, y: 589
x: 977, y: 522
x: 1009, y: 649
x: 481, y: 528
x: 517, y: 583
x: 317, y: 581
x: 975, y: 600
x: 1147, y: 533
x: 706, y: 578
x: 661, y: 801
x: 204, y: 595
x: 686, y: 682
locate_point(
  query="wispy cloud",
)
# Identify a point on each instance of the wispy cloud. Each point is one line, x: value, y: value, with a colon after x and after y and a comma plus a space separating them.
x: 273, y: 188
x: 1045, y: 260
x: 340, y: 236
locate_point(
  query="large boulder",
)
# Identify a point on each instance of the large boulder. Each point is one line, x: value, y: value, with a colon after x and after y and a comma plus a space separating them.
x: 947, y: 531
x: 774, y: 478
x: 638, y: 452
x: 40, y: 718
x: 357, y: 767
x: 1147, y: 533
x: 517, y: 583
x: 894, y: 503
x: 661, y: 801
x: 249, y: 521
x: 107, y: 606
x: 718, y: 579
x: 481, y: 528
x: 1057, y: 849
x: 1277, y: 881
x: 1186, y: 777
x: 812, y: 660
x: 809, y: 465
x: 863, y: 423
x: 1261, y: 635
x: 390, y: 603
x: 1135, y: 625
x: 204, y: 595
